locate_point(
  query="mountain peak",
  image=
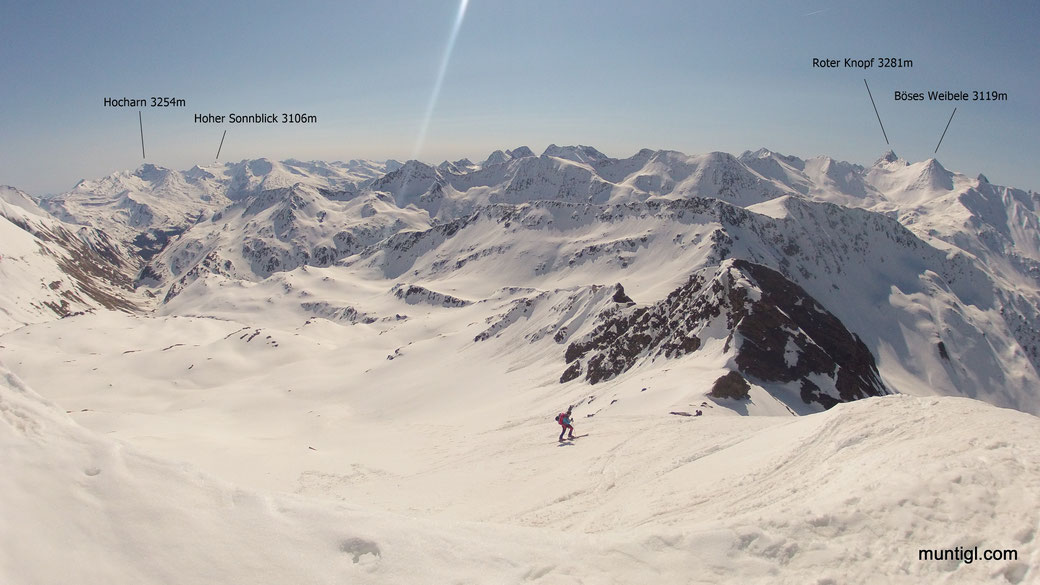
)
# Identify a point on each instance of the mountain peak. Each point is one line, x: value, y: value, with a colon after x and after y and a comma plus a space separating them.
x: 498, y: 157
x: 760, y: 153
x: 448, y: 166
x: 888, y: 157
x: 495, y: 158
x: 520, y: 152
x: 933, y: 163
x: 196, y: 173
x: 580, y: 153
x: 150, y: 172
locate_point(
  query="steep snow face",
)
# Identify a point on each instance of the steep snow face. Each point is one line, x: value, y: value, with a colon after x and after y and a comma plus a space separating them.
x: 910, y: 184
x: 414, y: 184
x: 821, y: 178
x: 838, y: 182
x: 50, y: 269
x: 719, y: 175
x: 672, y: 175
x: 995, y: 226
x: 787, y: 170
x: 539, y: 178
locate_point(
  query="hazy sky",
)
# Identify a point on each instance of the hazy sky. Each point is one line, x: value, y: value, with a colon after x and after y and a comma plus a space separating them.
x: 620, y: 76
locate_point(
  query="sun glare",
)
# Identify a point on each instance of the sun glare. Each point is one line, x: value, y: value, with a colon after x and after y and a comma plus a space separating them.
x: 435, y: 94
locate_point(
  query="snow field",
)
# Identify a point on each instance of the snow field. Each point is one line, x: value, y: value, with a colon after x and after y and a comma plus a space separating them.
x: 439, y: 451
x: 847, y: 496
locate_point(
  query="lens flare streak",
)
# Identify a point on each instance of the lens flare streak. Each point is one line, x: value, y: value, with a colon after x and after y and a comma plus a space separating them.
x: 435, y: 94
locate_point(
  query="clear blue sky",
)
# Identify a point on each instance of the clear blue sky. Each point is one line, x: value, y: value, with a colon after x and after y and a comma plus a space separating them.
x: 682, y: 75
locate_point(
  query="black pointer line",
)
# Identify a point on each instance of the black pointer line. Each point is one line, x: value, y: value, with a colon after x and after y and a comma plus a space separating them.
x: 140, y: 121
x: 944, y: 131
x: 221, y: 144
x: 876, y: 112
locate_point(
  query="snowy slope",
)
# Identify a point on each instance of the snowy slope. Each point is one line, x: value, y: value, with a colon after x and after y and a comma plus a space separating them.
x: 119, y: 516
x: 847, y: 496
x: 50, y: 269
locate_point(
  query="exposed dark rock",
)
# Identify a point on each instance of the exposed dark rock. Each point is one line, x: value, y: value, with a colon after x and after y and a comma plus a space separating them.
x: 778, y: 333
x: 561, y: 335
x: 785, y: 315
x: 810, y: 393
x: 571, y: 373
x: 620, y: 296
x: 619, y: 342
x: 414, y: 294
x: 337, y: 313
x: 153, y: 241
x: 732, y: 386
x: 148, y: 277
x: 211, y: 264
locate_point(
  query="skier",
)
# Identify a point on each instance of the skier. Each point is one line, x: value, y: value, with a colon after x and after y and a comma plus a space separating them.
x: 564, y: 418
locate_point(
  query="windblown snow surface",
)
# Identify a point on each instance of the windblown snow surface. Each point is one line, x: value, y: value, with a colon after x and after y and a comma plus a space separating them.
x: 846, y: 496
x: 352, y: 378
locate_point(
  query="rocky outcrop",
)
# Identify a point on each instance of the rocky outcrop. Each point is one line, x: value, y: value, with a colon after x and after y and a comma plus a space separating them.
x: 732, y: 386
x: 337, y: 313
x: 776, y: 333
x: 414, y: 294
x: 620, y: 297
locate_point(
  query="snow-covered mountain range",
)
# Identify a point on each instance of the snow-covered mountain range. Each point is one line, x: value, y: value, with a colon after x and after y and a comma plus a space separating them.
x: 328, y: 330
x: 933, y: 275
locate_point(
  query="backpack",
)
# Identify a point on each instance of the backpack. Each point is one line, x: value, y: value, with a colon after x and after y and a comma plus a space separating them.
x: 560, y: 417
